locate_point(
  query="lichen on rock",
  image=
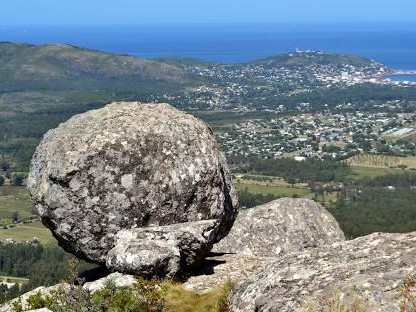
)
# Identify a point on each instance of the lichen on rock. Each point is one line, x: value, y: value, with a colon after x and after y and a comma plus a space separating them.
x: 370, y: 269
x: 280, y: 227
x: 129, y: 166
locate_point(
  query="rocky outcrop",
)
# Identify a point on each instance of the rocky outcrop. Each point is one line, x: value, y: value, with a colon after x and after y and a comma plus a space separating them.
x: 260, y: 235
x: 119, y: 280
x: 221, y: 268
x: 280, y: 227
x: 367, y: 271
x: 161, y: 249
x: 132, y: 170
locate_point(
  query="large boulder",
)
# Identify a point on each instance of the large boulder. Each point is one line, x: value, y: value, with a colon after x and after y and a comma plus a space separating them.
x: 279, y: 227
x: 260, y: 235
x: 128, y: 167
x: 365, y: 274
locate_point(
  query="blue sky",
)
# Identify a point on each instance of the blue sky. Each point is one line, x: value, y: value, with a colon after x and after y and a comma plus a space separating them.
x: 46, y: 12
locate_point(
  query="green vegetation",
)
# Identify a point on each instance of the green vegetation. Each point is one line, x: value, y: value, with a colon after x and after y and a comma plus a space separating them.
x: 381, y: 161
x: 27, y: 232
x: 42, y: 86
x: 36, y: 264
x: 144, y: 296
x: 18, y: 219
x: 380, y: 204
x: 250, y: 200
x: 276, y: 191
x: 307, y: 171
x: 182, y: 61
x: 66, y: 67
x: 224, y: 119
x: 365, y: 97
x: 358, y: 173
x: 306, y: 58
x: 15, y: 199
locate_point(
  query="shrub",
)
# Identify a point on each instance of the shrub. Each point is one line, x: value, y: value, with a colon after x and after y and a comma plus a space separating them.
x: 407, y: 301
x: 144, y: 296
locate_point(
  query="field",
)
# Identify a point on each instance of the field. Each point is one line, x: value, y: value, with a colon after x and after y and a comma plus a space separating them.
x: 360, y: 172
x: 28, y: 231
x: 258, y: 184
x: 381, y: 161
x: 13, y: 279
x: 16, y: 199
x: 13, y: 198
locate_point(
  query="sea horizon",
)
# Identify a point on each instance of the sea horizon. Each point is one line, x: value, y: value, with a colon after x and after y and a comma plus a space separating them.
x: 393, y: 44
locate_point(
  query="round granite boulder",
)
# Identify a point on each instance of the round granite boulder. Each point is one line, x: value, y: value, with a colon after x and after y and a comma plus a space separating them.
x: 103, y: 176
x: 280, y: 227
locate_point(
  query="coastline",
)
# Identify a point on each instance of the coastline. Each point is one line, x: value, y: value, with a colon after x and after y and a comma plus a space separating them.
x: 403, y: 72
x: 402, y: 77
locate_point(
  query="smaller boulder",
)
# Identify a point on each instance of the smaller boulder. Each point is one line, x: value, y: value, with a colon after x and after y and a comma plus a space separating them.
x: 118, y: 279
x: 161, y: 250
x: 279, y: 227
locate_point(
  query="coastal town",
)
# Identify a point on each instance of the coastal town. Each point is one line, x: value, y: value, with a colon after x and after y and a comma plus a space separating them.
x: 321, y: 135
x: 261, y: 84
x: 283, y: 87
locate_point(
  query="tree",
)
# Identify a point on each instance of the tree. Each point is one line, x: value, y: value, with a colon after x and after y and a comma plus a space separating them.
x: 5, y: 166
x: 17, y: 180
x: 15, y: 216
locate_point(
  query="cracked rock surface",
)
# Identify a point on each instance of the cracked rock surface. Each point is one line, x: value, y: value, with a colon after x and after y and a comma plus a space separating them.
x: 368, y: 270
x: 262, y: 234
x: 280, y: 227
x: 128, y: 167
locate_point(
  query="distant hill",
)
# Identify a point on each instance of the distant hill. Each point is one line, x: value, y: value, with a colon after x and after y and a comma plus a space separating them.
x: 33, y: 67
x: 44, y: 85
x: 183, y: 61
x: 299, y: 58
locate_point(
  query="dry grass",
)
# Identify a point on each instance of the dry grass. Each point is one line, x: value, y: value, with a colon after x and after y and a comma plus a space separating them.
x: 146, y: 296
x: 353, y: 302
x: 407, y: 295
x: 381, y: 161
x: 178, y: 299
x: 336, y: 303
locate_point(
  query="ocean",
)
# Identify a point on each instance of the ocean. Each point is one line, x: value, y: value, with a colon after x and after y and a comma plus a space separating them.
x: 391, y: 44
x: 410, y: 78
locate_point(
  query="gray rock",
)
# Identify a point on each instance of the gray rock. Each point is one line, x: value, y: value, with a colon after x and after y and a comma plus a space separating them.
x: 161, y: 250
x: 120, y: 281
x: 221, y: 268
x: 368, y: 270
x: 260, y: 234
x: 129, y: 166
x: 280, y: 227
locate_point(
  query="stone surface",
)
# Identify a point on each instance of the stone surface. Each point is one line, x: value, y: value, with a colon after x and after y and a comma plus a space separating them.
x: 161, y: 250
x: 280, y: 227
x: 120, y: 281
x: 371, y: 268
x: 220, y: 268
x: 129, y: 166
